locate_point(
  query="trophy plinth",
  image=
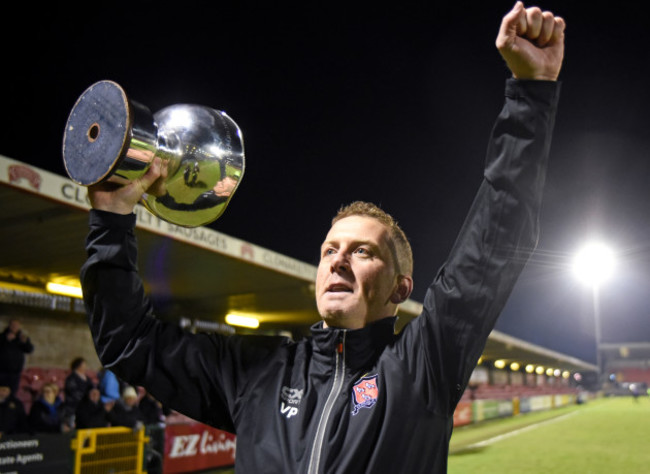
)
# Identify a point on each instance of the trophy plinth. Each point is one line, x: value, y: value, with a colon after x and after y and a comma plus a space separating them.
x: 109, y: 137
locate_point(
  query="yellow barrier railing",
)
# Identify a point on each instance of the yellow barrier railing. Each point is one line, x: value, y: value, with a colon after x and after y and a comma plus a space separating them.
x: 104, y: 450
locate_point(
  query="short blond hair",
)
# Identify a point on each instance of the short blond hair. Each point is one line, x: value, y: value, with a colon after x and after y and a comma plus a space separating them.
x: 403, y: 254
x: 51, y: 385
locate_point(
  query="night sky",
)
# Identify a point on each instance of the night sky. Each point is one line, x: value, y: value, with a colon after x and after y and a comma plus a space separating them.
x: 391, y: 104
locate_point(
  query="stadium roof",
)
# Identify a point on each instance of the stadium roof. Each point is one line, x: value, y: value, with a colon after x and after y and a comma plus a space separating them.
x: 44, y: 224
x: 626, y: 354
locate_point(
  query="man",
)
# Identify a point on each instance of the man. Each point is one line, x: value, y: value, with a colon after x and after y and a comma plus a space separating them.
x: 76, y: 386
x: 90, y: 411
x: 14, y: 344
x: 354, y: 397
x: 13, y: 419
x: 126, y: 412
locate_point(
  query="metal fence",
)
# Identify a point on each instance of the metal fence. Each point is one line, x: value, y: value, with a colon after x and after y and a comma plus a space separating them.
x: 109, y: 450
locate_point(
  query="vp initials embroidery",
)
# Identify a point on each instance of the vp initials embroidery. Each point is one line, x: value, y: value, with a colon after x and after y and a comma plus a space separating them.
x: 291, y: 398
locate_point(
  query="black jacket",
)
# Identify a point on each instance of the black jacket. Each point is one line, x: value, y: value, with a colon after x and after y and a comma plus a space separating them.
x: 44, y: 418
x: 13, y: 419
x: 89, y: 414
x: 75, y: 388
x: 12, y: 353
x: 123, y: 415
x: 343, y: 401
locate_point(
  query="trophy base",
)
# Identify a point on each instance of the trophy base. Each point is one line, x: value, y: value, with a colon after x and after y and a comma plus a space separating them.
x: 97, y: 133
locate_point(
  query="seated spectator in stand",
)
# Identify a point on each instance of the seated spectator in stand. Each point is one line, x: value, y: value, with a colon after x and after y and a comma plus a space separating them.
x: 126, y: 411
x: 152, y: 410
x: 109, y: 386
x: 76, y: 387
x: 45, y: 414
x: 13, y: 419
x: 91, y: 412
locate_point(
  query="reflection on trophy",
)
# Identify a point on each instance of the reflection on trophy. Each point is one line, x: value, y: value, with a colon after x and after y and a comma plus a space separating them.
x: 109, y: 137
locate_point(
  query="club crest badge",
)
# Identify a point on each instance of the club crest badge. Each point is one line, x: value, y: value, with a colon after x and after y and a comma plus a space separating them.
x: 364, y: 393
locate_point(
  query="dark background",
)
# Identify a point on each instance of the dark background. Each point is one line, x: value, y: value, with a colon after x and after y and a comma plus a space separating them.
x: 391, y: 104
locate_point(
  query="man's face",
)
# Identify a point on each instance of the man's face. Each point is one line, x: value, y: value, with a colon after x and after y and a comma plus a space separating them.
x: 356, y: 274
x: 14, y: 326
x: 94, y: 395
x: 4, y: 393
x: 130, y: 401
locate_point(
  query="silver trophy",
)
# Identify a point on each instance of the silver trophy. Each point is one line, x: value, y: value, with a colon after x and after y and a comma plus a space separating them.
x: 109, y: 137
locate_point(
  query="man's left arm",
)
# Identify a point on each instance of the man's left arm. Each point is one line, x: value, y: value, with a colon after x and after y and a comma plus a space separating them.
x: 499, y: 234
x: 26, y: 344
x: 501, y: 230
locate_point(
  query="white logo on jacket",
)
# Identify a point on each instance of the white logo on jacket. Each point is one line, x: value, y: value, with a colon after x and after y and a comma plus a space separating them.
x: 290, y: 401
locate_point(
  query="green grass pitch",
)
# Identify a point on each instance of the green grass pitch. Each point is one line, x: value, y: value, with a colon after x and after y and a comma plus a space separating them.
x: 603, y: 436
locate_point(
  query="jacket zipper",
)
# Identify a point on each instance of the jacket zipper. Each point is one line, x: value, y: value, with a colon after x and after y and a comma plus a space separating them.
x: 337, y: 385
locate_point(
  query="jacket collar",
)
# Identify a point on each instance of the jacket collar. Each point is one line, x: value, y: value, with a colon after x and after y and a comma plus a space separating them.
x: 362, y: 346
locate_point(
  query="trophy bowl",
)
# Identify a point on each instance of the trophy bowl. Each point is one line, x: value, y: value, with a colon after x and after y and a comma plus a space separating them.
x: 110, y: 138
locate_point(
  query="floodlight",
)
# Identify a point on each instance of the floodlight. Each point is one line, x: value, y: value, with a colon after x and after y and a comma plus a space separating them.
x: 243, y: 321
x: 594, y: 264
x: 65, y: 290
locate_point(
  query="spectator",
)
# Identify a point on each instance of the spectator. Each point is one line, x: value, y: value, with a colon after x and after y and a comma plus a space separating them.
x: 154, y: 414
x: 152, y: 410
x: 13, y: 419
x: 77, y: 385
x: 45, y: 414
x: 14, y: 344
x: 91, y: 412
x: 126, y: 411
x: 109, y: 386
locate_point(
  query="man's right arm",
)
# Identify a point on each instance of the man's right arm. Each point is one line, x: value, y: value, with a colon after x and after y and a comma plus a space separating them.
x: 178, y: 368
